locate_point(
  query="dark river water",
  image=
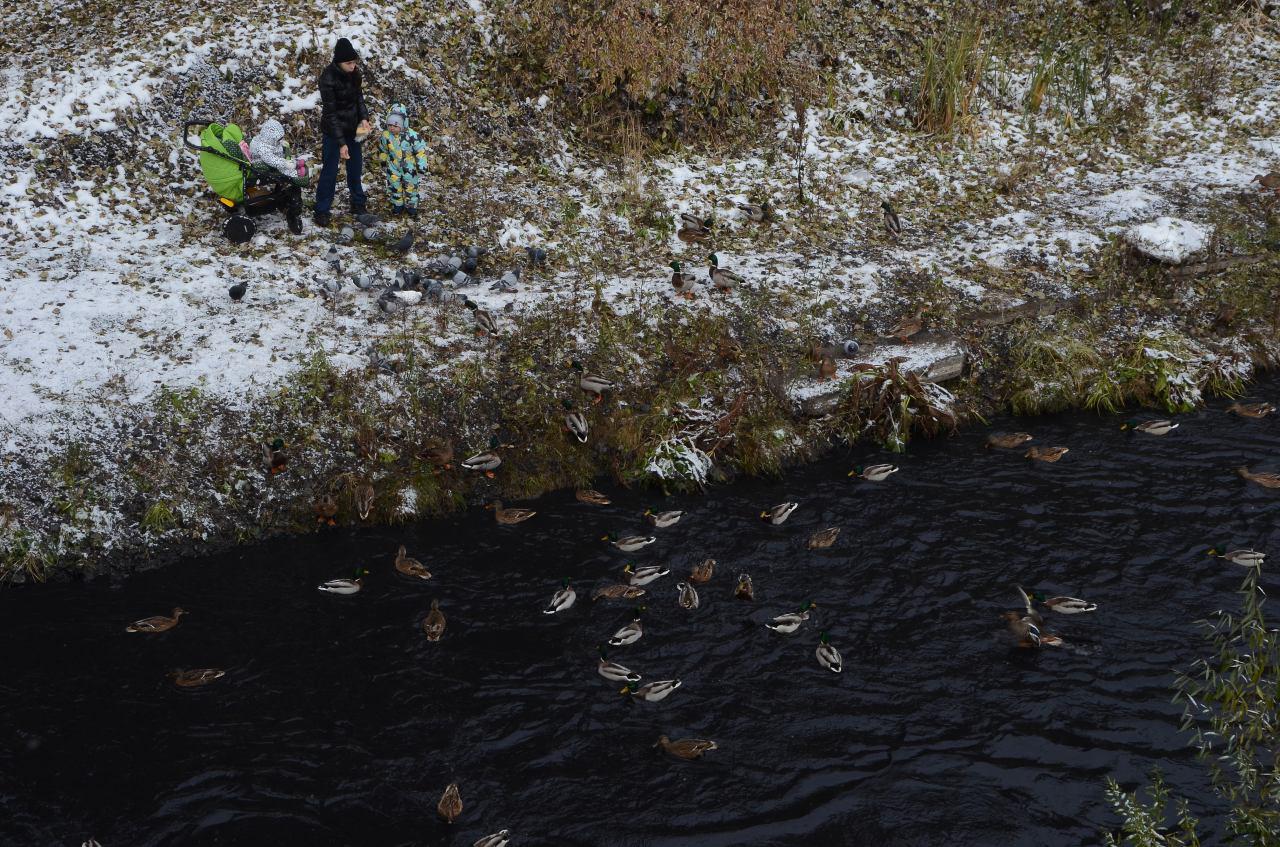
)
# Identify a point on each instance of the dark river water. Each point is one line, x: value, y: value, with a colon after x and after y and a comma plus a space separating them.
x: 339, y: 723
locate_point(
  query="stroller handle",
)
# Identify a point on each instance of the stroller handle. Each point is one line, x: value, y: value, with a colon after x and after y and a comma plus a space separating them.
x: 186, y: 136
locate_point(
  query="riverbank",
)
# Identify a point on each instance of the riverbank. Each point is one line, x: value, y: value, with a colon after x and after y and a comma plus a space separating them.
x: 141, y: 396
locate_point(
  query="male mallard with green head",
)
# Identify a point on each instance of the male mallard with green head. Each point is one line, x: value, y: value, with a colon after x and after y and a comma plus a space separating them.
x: 723, y: 279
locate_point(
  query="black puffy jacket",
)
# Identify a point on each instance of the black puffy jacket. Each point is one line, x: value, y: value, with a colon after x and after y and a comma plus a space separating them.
x: 343, y: 103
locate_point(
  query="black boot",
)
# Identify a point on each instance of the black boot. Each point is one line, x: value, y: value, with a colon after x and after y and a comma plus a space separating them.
x: 322, y: 219
x: 295, y: 223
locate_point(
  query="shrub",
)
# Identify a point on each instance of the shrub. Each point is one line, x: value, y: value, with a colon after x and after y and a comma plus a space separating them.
x: 954, y: 66
x: 667, y: 68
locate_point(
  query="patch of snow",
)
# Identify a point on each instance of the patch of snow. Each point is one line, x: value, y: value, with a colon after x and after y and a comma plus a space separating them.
x: 1169, y: 239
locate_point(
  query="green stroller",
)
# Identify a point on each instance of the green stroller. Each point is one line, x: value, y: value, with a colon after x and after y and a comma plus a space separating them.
x: 246, y: 191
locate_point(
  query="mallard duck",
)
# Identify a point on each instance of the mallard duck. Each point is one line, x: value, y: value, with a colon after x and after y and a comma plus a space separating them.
x: 196, y: 677
x: 326, y: 508
x: 1023, y: 628
x: 688, y: 598
x: 701, y: 573
x: 745, y: 589
x: 1269, y: 181
x: 662, y: 520
x: 498, y: 839
x: 757, y: 213
x: 652, y: 692
x: 645, y: 575
x: 439, y: 454
x: 274, y: 456
x: 617, y: 591
x: 722, y: 278
x: 450, y: 805
x: 343, y: 586
x: 685, y: 748
x: 486, y: 323
x: 435, y: 622
x: 1061, y: 605
x: 1045, y: 454
x: 488, y: 462
x: 778, y: 514
x: 828, y: 656
x: 364, y: 500
x: 509, y: 517
x: 892, y: 224
x: 1008, y: 440
x: 908, y: 327
x: 1263, y: 478
x: 562, y: 600
x: 591, y: 497
x: 790, y: 622
x: 824, y: 538
x: 1251, y: 410
x: 575, y: 422
x: 874, y: 473
x: 1245, y: 558
x: 410, y: 567
x: 630, y: 633
x: 1157, y: 427
x: 683, y: 283
x: 629, y: 543
x: 156, y: 623
x: 693, y: 223
x: 613, y: 671
x: 592, y: 384
x: 826, y: 368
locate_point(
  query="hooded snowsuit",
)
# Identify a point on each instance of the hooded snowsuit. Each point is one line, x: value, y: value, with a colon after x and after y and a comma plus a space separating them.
x: 406, y: 157
x: 268, y: 150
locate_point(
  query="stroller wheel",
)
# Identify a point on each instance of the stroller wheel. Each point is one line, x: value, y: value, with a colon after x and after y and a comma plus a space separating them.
x: 239, y: 228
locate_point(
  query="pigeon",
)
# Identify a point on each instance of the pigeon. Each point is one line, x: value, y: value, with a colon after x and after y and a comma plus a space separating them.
x: 462, y: 280
x: 851, y: 347
x: 473, y: 252
x: 378, y: 361
x: 366, y: 281
x: 510, y: 308
x: 332, y: 256
x: 405, y: 244
x: 891, y: 223
x: 454, y: 262
x: 406, y: 279
x: 237, y: 291
x: 371, y: 233
x: 389, y: 304
x: 434, y: 290
x: 537, y: 255
x: 329, y: 287
x: 346, y: 235
x: 367, y: 219
x: 510, y: 282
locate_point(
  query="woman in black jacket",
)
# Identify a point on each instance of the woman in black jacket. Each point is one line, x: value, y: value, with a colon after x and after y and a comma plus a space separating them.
x: 343, y: 116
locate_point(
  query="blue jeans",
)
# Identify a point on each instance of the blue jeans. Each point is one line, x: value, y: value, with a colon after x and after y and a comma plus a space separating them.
x: 331, y: 157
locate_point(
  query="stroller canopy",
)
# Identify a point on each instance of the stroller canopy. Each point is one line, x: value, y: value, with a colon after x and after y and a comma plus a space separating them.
x: 224, y: 171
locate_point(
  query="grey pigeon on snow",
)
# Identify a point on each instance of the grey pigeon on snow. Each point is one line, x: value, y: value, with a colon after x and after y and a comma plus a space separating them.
x: 434, y: 289
x: 406, y: 279
x: 461, y: 280
x: 367, y: 219
x: 366, y: 281
x: 332, y: 257
x: 329, y: 287
x: 469, y: 264
x: 405, y: 244
x: 509, y: 284
x: 388, y: 303
x: 537, y: 255
x: 237, y: 291
x: 473, y: 252
x: 371, y: 233
x: 346, y: 235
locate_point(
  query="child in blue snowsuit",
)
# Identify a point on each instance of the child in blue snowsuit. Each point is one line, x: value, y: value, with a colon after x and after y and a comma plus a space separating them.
x: 405, y: 155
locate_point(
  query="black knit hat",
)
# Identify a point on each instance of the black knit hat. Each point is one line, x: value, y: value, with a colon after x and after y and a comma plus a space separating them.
x: 344, y: 52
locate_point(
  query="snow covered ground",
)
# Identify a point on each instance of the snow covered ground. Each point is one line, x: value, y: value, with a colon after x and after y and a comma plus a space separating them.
x: 113, y: 276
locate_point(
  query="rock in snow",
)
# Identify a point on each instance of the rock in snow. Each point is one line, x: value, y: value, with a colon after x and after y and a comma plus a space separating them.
x: 1168, y: 240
